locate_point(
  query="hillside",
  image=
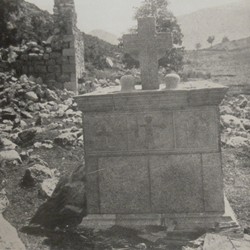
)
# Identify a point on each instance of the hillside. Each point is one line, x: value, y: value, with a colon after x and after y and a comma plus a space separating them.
x: 231, y: 20
x: 31, y: 23
x: 96, y: 51
x: 240, y: 44
x: 227, y: 67
x: 105, y: 36
x: 25, y: 21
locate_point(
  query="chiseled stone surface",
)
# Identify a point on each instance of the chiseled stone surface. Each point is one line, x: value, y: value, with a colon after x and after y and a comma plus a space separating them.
x: 176, y: 184
x: 197, y: 128
x: 124, y: 185
x: 153, y: 130
x: 148, y: 47
x: 92, y: 187
x: 106, y: 132
x: 213, y: 182
x: 153, y: 153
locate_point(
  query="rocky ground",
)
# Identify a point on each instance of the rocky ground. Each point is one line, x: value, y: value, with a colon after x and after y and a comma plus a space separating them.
x: 41, y: 140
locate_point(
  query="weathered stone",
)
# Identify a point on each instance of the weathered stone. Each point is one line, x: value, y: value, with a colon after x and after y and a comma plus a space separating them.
x: 27, y: 136
x: 127, y: 83
x: 212, y: 180
x: 9, y: 114
x: 226, y: 110
x: 51, y: 95
x: 69, y: 52
x: 70, y: 113
x: 68, y: 68
x: 4, y: 202
x: 45, y: 144
x: 10, y: 155
x: 117, y: 82
x: 6, y: 144
x: 172, y: 81
x: 35, y: 174
x: 32, y: 44
x: 148, y: 47
x: 109, y: 62
x: 246, y: 124
x: 66, y: 139
x: 36, y: 159
x: 215, y: 241
x: 231, y: 122
x: 24, y: 79
x: 26, y: 115
x: 133, y: 188
x: 169, y: 141
x: 9, y: 237
x: 48, y: 186
x: 39, y: 80
x: 196, y: 128
x: 173, y: 180
x: 238, y: 141
x: 46, y: 56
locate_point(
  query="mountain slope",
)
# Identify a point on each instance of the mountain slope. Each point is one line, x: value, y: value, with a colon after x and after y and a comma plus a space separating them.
x: 231, y: 20
x: 25, y: 21
x: 240, y: 44
x: 105, y: 36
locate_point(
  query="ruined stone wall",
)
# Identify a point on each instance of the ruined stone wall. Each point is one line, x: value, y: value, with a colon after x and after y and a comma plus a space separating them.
x: 61, y: 58
x: 73, y: 54
x: 79, y: 45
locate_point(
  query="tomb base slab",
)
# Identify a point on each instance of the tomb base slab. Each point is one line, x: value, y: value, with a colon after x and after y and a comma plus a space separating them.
x: 179, y: 227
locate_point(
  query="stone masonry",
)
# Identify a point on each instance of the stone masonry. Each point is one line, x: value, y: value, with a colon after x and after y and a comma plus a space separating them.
x: 60, y: 60
x: 153, y: 155
x: 71, y: 37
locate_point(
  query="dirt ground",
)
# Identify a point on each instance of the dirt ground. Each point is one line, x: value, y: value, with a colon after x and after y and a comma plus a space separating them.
x: 24, y: 203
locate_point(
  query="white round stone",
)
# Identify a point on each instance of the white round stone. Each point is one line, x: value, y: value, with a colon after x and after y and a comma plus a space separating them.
x: 172, y: 81
x: 127, y: 83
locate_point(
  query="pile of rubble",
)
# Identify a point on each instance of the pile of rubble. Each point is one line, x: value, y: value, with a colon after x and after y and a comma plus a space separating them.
x: 235, y: 121
x: 28, y: 110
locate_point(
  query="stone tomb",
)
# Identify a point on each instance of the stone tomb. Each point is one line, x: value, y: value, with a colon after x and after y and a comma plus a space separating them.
x: 153, y: 156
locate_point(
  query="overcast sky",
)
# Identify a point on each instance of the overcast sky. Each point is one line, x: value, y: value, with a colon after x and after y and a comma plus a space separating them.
x: 115, y: 16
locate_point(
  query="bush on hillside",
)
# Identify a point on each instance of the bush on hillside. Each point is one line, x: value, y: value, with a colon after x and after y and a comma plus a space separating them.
x: 21, y: 20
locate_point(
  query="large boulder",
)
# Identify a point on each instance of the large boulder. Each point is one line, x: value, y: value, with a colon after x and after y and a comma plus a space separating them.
x: 36, y: 174
x: 26, y: 136
x: 10, y: 156
x: 9, y: 239
x: 6, y: 144
x: 48, y: 186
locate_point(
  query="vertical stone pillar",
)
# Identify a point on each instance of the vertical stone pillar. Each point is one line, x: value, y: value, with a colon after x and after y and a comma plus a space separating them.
x: 73, y: 46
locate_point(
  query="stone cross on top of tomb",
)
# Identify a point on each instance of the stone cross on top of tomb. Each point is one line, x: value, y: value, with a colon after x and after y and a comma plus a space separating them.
x: 148, y: 47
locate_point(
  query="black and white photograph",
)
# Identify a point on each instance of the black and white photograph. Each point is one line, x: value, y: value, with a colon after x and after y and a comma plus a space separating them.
x: 124, y: 124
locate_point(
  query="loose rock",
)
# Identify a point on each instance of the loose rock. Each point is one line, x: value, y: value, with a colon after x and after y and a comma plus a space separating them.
x: 36, y: 174
x: 9, y: 156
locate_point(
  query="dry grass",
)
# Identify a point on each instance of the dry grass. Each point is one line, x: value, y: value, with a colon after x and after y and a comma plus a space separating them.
x: 228, y: 68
